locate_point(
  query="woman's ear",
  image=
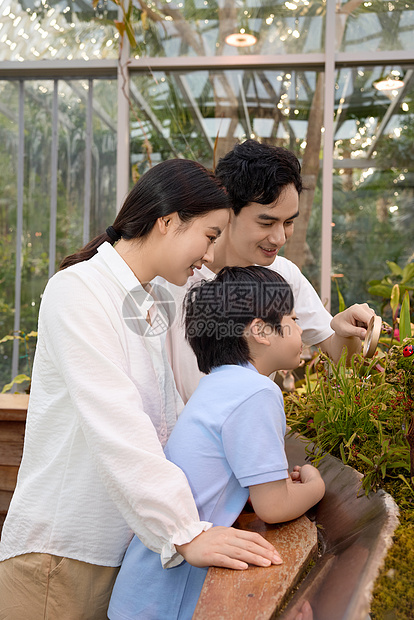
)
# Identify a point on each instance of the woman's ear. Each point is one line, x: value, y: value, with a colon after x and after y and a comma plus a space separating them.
x: 163, y: 223
x: 168, y: 222
x: 258, y: 330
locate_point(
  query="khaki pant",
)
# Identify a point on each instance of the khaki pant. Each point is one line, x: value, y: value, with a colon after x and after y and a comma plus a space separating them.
x: 39, y: 586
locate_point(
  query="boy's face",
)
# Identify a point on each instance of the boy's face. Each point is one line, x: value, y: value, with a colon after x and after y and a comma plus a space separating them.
x: 285, y: 350
x: 259, y: 231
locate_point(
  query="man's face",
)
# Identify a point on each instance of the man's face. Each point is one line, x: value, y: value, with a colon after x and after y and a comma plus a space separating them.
x: 259, y: 231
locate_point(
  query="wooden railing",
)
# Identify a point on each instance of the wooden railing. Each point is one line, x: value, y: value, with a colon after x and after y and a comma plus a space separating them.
x: 13, y: 408
x: 258, y: 593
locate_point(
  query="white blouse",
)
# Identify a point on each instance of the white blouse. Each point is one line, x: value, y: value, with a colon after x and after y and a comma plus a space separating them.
x: 102, y: 399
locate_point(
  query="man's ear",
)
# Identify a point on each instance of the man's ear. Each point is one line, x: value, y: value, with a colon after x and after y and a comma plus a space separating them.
x: 258, y: 331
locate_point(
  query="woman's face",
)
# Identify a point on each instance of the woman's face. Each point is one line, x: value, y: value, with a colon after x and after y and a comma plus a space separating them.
x: 190, y: 245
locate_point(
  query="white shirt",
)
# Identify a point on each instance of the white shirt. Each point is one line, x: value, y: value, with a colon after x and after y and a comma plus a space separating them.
x: 313, y: 318
x: 93, y: 469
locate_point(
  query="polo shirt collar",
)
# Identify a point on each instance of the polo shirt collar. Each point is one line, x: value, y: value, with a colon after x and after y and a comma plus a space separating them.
x: 248, y: 365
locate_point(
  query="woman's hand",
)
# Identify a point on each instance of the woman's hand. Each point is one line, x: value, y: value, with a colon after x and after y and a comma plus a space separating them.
x: 228, y: 547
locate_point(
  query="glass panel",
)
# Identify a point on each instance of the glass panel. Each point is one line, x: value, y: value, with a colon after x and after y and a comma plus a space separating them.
x: 9, y: 137
x: 36, y: 207
x: 178, y: 114
x: 38, y: 29
x: 371, y: 105
x: 374, y: 181
x: 201, y: 27
x: 374, y: 26
x: 73, y: 102
x: 72, y: 105
x: 104, y: 146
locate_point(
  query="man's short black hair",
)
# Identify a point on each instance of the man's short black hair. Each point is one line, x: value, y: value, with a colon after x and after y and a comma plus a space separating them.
x: 218, y: 311
x: 256, y: 172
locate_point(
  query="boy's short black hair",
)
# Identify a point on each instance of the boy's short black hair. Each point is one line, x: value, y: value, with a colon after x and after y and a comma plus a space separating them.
x: 256, y: 172
x: 218, y: 311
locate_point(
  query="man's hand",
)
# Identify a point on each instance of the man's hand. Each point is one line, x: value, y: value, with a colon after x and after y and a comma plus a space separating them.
x: 353, y: 321
x: 228, y: 547
x: 350, y: 327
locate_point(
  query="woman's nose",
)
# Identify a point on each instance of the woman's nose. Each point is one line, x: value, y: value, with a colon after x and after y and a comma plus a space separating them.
x: 209, y: 255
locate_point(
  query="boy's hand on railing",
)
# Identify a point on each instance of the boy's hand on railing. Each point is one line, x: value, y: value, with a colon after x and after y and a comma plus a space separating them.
x: 295, y: 474
x: 308, y: 473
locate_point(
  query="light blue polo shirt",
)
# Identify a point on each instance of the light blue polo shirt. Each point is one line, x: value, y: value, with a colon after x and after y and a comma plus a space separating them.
x: 229, y: 436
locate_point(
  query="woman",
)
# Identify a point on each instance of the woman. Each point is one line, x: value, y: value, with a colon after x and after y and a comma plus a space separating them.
x: 103, y: 403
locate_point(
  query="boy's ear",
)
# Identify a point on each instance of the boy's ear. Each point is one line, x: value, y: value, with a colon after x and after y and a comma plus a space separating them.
x: 258, y: 331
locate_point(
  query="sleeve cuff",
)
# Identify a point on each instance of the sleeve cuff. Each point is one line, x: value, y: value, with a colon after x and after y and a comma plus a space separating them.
x: 313, y: 338
x: 169, y: 555
x: 270, y: 476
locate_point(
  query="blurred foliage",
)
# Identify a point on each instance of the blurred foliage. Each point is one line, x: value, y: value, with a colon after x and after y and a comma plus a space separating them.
x: 35, y: 238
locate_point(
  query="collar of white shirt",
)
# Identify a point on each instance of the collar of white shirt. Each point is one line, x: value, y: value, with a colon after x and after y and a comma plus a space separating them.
x: 124, y: 274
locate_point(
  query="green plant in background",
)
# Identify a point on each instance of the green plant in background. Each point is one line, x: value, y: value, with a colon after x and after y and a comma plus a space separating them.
x: 402, y: 277
x: 356, y: 415
x: 26, y: 340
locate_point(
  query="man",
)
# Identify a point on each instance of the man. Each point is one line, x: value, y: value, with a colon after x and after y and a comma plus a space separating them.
x: 264, y: 184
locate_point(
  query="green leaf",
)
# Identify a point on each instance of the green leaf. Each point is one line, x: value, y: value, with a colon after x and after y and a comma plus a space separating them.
x: 382, y: 290
x: 407, y: 483
x: 395, y: 300
x: 17, y: 379
x: 341, y: 301
x: 407, y: 273
x: 351, y: 440
x: 405, y: 324
x: 319, y: 416
x: 130, y: 33
x: 342, y: 451
x: 394, y: 268
x: 365, y: 459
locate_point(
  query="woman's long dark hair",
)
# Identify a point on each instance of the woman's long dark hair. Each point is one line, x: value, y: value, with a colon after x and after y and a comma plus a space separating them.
x: 176, y: 185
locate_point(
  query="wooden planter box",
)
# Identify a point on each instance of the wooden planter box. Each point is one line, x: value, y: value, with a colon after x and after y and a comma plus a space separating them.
x: 355, y: 531
x: 13, y: 409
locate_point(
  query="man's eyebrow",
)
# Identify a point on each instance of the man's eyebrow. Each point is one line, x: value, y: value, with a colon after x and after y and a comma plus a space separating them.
x: 271, y: 218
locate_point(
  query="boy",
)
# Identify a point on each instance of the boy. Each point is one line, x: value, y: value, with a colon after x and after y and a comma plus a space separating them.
x: 264, y: 184
x: 229, y: 439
